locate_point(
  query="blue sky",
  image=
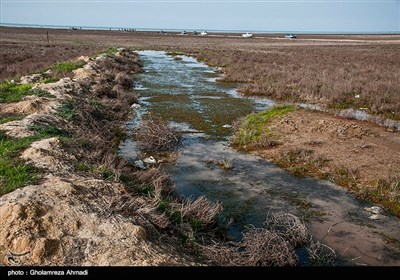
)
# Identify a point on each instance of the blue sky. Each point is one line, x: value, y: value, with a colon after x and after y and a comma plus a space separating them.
x: 284, y: 15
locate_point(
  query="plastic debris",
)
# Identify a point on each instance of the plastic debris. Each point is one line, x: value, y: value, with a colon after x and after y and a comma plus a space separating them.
x: 374, y: 209
x: 374, y: 217
x: 150, y: 160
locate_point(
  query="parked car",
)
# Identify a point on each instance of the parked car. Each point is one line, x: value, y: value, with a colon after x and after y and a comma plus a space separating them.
x: 290, y: 36
x: 183, y: 33
x: 247, y: 35
x: 204, y: 33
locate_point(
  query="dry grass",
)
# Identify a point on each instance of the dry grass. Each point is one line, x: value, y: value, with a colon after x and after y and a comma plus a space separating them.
x: 273, y: 245
x: 331, y: 75
x: 384, y: 192
x: 201, y: 210
x: 266, y: 248
x: 98, y: 116
x: 155, y: 135
x: 21, y: 58
x: 259, y: 247
x: 290, y: 227
x: 158, y: 180
x: 321, y: 254
x: 303, y: 162
x: 327, y: 71
x: 225, y: 163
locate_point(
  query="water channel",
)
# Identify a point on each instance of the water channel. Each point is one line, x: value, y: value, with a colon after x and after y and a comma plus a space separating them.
x: 188, y: 95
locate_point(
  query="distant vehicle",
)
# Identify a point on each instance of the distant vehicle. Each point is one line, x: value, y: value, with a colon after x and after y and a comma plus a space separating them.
x: 162, y: 32
x: 195, y: 32
x: 290, y: 36
x: 183, y: 33
x: 204, y: 33
x: 247, y: 35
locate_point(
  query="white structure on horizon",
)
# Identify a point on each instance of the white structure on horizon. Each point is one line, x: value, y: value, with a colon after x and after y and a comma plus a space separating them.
x: 247, y: 35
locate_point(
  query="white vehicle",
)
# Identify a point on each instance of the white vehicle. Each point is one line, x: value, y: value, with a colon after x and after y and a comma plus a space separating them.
x: 290, y: 36
x: 204, y: 33
x: 247, y: 35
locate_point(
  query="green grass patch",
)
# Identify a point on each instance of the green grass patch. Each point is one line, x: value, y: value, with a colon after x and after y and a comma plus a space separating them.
x: 172, y: 53
x: 109, y: 52
x: 67, y: 67
x: 43, y: 93
x: 47, y: 131
x: 50, y: 80
x: 67, y: 110
x: 392, y: 115
x: 14, y: 173
x: 10, y: 92
x: 10, y: 118
x: 255, y: 125
x: 384, y: 192
x: 84, y: 167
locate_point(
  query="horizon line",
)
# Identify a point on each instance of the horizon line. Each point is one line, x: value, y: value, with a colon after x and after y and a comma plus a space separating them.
x: 116, y: 28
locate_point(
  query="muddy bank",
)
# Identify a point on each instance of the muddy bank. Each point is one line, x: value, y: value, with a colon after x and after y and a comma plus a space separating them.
x: 359, y: 156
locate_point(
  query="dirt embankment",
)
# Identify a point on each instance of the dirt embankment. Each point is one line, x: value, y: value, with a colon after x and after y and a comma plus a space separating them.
x: 357, y: 155
x: 69, y: 216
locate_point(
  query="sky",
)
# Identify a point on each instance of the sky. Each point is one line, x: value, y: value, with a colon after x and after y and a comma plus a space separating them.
x: 284, y: 15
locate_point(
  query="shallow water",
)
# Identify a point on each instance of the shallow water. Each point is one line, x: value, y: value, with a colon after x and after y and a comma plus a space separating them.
x: 186, y: 93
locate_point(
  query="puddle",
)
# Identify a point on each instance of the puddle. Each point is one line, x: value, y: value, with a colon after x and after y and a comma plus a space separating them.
x: 182, y: 92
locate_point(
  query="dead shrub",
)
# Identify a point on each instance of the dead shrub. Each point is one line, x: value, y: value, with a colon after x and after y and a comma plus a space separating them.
x: 321, y: 254
x: 265, y: 142
x: 201, y: 210
x: 155, y: 135
x: 259, y: 247
x: 265, y: 248
x: 128, y: 97
x: 141, y: 210
x: 109, y: 75
x: 103, y: 89
x: 160, y: 181
x: 290, y: 227
x: 118, y: 90
x: 124, y: 80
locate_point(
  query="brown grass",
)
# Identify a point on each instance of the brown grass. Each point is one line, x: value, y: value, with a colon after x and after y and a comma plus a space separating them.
x: 259, y: 247
x: 330, y: 70
x: 200, y: 209
x: 159, y: 181
x: 290, y: 227
x: 154, y: 134
x: 331, y: 75
x: 20, y: 58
